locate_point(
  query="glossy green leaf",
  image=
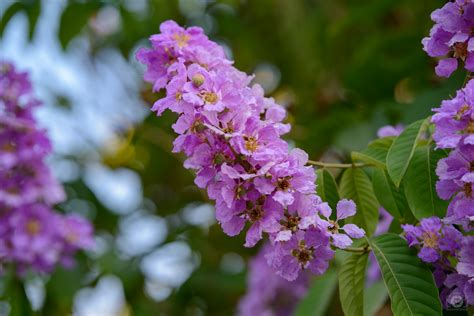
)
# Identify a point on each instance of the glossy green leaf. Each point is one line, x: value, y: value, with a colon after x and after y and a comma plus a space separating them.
x: 402, y: 149
x: 356, y: 185
x: 372, y: 156
x: 327, y: 187
x: 420, y: 184
x: 351, y: 284
x: 376, y: 153
x: 409, y: 282
x: 390, y: 197
x: 382, y: 143
x: 319, y: 295
x: 375, y: 297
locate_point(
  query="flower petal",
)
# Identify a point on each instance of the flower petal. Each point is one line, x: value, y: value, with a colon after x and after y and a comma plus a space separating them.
x: 345, y: 208
x: 353, y: 231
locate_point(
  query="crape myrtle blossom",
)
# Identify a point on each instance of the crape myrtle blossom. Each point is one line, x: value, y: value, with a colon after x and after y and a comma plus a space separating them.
x: 231, y: 135
x: 32, y: 234
x: 454, y: 120
x: 458, y: 284
x: 465, y: 270
x: 434, y: 238
x: 269, y: 294
x: 456, y: 181
x: 454, y: 129
x: 441, y: 245
x: 451, y: 37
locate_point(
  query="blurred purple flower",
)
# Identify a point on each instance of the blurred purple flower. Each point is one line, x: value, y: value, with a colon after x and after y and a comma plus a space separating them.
x: 32, y: 235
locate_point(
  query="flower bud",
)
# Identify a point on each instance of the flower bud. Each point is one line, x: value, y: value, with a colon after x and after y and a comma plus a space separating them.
x: 198, y: 80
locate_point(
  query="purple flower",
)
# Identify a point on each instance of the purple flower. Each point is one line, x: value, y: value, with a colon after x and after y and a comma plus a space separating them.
x: 340, y: 236
x: 434, y: 238
x: 460, y: 289
x: 268, y: 293
x: 231, y: 135
x: 32, y: 235
x: 389, y: 130
x: 466, y: 257
x: 308, y: 249
x: 451, y: 37
x: 456, y: 179
x: 454, y: 119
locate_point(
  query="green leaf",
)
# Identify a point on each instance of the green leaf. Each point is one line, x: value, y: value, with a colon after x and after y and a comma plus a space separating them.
x: 32, y: 10
x: 9, y: 13
x: 74, y: 18
x: 375, y: 153
x: 420, y: 184
x: 409, y: 282
x: 351, y: 284
x: 372, y: 156
x: 402, y: 150
x: 375, y: 297
x: 390, y: 197
x: 382, y: 143
x: 356, y: 185
x: 327, y: 187
x: 319, y: 295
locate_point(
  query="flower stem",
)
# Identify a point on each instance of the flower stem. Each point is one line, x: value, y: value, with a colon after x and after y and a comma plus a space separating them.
x: 338, y: 165
x: 357, y: 249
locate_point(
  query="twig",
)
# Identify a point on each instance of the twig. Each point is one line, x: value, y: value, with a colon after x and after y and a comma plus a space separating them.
x: 338, y: 165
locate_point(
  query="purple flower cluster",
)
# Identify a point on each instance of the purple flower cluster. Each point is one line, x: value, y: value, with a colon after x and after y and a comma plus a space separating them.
x: 231, y: 135
x: 32, y: 234
x: 434, y: 238
x: 451, y: 37
x: 269, y: 294
x: 441, y: 245
x: 454, y: 122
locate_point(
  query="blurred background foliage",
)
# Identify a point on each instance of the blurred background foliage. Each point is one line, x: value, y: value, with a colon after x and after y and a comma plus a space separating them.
x: 343, y: 68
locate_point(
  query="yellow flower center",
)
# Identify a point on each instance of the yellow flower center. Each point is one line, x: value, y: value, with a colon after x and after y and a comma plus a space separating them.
x: 209, y: 97
x: 470, y: 127
x: 251, y: 143
x: 198, y: 80
x: 181, y: 39
x: 461, y: 111
x: 33, y: 227
x: 430, y: 240
x: 71, y: 237
x: 9, y: 147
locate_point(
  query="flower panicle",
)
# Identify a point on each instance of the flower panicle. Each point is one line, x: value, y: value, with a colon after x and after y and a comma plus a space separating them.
x: 32, y: 235
x: 231, y: 135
